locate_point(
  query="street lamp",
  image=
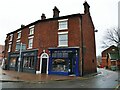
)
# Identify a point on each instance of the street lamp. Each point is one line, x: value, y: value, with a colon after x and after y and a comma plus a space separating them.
x: 21, y: 47
x: 96, y: 30
x: 19, y: 60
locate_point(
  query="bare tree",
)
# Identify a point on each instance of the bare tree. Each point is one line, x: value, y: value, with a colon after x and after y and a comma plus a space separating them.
x: 112, y: 37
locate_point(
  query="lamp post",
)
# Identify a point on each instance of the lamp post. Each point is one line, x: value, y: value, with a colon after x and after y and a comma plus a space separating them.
x: 19, y: 60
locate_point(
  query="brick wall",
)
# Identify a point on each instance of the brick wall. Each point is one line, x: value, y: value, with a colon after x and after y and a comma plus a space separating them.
x: 104, y: 55
x: 88, y: 44
x: 46, y: 36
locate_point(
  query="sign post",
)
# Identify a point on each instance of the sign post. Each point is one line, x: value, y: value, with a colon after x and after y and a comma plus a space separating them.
x: 19, y: 60
x: 20, y: 47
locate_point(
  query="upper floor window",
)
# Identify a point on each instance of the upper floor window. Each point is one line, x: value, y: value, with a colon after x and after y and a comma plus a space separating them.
x: 31, y: 30
x: 30, y: 43
x: 11, y: 37
x: 63, y: 24
x: 19, y: 35
x: 17, y: 45
x: 63, y: 39
x: 9, y: 48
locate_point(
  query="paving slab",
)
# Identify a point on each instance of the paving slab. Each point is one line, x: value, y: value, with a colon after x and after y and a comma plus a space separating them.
x: 9, y: 75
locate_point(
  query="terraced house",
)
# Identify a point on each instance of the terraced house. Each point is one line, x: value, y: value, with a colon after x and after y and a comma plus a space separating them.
x: 63, y: 45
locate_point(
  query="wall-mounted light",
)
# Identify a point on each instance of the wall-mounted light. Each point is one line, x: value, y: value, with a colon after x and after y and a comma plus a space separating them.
x: 96, y: 30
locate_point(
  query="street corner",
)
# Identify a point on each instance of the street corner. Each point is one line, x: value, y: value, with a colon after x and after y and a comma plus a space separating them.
x: 8, y: 78
x: 82, y: 78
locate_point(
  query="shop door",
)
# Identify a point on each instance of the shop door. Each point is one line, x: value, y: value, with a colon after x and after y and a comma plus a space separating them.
x: 72, y: 61
x: 44, y: 65
x: 16, y: 64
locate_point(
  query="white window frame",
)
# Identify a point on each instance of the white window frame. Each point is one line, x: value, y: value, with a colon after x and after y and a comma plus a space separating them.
x: 11, y: 37
x: 63, y: 28
x: 18, y: 37
x: 62, y: 33
x: 29, y: 44
x: 31, y: 29
x: 9, y: 47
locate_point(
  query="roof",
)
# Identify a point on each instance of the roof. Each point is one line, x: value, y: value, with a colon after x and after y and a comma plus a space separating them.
x: 49, y: 19
x: 111, y: 47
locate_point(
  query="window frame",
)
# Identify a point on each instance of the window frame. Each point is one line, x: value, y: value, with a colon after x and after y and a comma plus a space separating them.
x: 30, y: 45
x: 31, y: 29
x: 9, y: 47
x: 18, y: 34
x: 29, y: 62
x: 60, y: 23
x: 62, y: 33
x: 18, y: 41
x: 11, y: 37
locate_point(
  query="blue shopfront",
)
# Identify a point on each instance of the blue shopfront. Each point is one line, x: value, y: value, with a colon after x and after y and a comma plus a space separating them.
x: 64, y: 61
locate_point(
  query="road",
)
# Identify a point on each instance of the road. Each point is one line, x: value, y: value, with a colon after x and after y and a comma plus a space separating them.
x: 105, y: 79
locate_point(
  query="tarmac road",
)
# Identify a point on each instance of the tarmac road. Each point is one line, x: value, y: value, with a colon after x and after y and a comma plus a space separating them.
x: 105, y: 79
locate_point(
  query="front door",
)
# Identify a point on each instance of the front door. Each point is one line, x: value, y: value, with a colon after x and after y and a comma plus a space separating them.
x: 72, y: 63
x: 44, y: 65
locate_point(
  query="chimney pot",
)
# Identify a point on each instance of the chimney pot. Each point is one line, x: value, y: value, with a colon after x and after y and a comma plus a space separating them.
x: 22, y: 25
x: 43, y: 16
x: 86, y: 7
x: 56, y: 12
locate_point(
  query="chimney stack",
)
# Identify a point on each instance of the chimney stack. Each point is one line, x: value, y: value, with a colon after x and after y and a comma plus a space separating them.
x: 43, y: 16
x: 56, y: 12
x: 86, y: 7
x: 22, y: 25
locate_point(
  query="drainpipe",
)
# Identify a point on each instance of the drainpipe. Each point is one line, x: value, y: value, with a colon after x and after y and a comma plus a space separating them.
x: 82, y: 56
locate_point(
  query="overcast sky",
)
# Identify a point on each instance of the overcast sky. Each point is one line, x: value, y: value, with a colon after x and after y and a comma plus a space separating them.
x: 13, y: 13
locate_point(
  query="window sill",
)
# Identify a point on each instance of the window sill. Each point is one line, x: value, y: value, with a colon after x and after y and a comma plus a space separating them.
x: 29, y: 48
x: 18, y: 38
x: 63, y: 46
x: 62, y: 28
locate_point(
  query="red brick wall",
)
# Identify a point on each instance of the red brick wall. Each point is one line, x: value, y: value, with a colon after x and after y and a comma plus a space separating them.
x: 1, y: 51
x: 46, y: 36
x: 104, y: 55
x: 89, y: 44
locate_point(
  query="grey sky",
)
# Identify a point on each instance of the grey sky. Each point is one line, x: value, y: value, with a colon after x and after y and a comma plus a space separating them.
x: 13, y: 13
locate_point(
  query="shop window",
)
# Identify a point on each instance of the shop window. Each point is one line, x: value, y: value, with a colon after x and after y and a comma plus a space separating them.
x: 60, y: 61
x: 28, y: 62
x: 63, y: 39
x: 59, y: 65
x: 63, y: 24
x: 12, y: 62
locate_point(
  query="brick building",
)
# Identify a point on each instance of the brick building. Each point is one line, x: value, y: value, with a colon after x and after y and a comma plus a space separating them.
x: 61, y: 45
x: 111, y: 57
x: 1, y: 53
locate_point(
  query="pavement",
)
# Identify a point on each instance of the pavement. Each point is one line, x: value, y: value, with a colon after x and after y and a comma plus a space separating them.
x: 14, y: 76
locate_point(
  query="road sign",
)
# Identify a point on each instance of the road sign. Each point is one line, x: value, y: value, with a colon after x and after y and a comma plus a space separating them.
x: 18, y: 46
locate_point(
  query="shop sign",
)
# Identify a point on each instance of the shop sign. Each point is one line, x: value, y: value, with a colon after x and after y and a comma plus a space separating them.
x: 14, y: 55
x: 29, y: 54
